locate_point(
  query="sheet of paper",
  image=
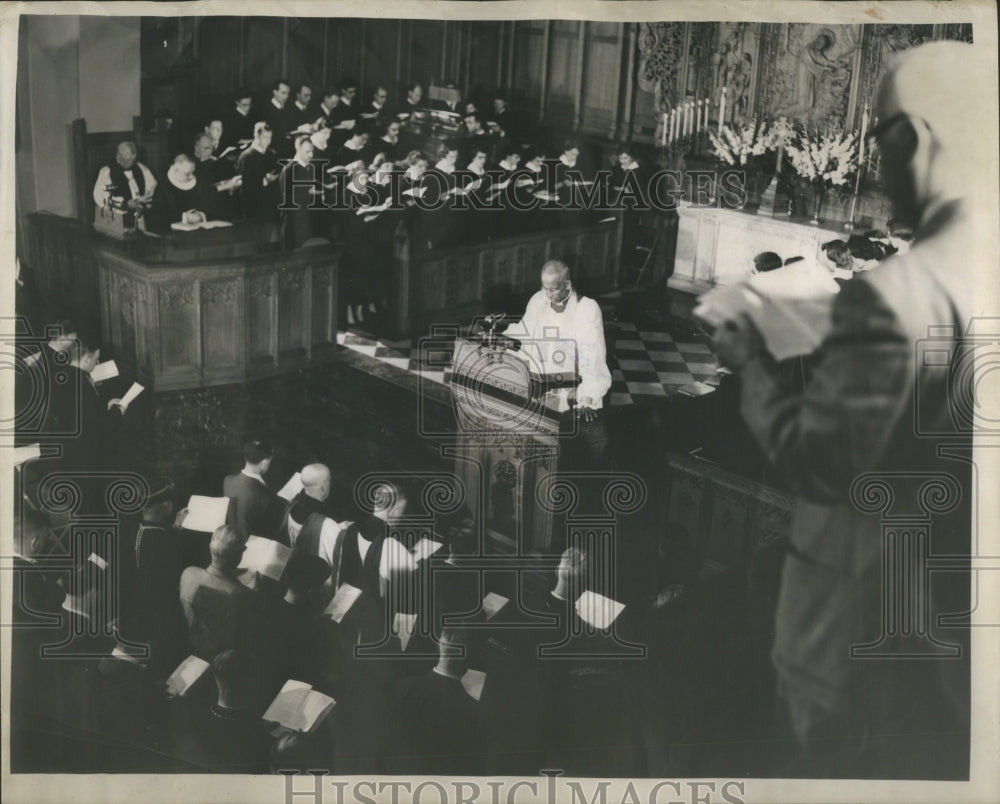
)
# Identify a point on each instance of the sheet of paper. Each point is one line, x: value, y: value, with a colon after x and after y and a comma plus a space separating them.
x: 402, y: 627
x: 292, y: 488
x: 492, y: 603
x: 474, y: 681
x: 266, y: 556
x: 346, y: 596
x: 131, y: 394
x: 97, y: 561
x: 426, y: 547
x: 696, y: 388
x: 187, y: 672
x: 27, y: 453
x: 123, y: 653
x: 104, y: 371
x: 205, y: 513
x: 314, y: 708
x: 598, y: 610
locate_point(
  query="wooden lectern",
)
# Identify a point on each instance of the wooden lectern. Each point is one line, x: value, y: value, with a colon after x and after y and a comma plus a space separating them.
x: 508, y: 440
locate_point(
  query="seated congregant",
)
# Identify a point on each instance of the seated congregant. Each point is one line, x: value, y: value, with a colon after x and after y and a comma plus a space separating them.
x: 237, y: 128
x: 377, y: 107
x: 181, y: 198
x: 355, y: 148
x: 388, y: 142
x: 215, y: 131
x: 221, y: 612
x: 310, y: 527
x: 412, y: 101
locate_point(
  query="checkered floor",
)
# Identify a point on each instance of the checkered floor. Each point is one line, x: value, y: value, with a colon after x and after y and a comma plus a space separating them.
x: 646, y: 365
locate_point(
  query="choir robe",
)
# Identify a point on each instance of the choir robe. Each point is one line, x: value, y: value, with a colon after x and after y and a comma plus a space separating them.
x: 219, y: 205
x: 259, y: 201
x: 237, y: 127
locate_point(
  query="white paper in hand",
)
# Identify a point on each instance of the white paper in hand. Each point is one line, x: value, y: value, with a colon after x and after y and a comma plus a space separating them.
x: 402, y: 627
x: 598, y: 610
x: 492, y: 603
x: 346, y: 596
x: 426, y: 547
x: 265, y: 556
x: 292, y: 488
x: 205, y: 514
x: 474, y: 681
x: 28, y: 453
x: 104, y: 371
x: 187, y: 672
x: 131, y: 394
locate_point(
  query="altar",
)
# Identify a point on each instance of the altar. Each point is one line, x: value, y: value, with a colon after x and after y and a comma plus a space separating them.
x: 717, y: 246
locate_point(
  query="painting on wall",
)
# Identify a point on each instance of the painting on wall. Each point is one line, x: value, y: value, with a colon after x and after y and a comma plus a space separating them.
x: 734, y: 65
x: 809, y: 68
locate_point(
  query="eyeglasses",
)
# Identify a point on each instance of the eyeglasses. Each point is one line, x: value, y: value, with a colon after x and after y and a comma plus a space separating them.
x: 877, y: 132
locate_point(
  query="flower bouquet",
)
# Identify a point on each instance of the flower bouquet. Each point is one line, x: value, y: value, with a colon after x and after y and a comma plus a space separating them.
x: 826, y: 160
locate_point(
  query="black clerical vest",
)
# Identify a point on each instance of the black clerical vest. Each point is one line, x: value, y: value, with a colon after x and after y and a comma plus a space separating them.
x: 363, y: 574
x: 119, y: 181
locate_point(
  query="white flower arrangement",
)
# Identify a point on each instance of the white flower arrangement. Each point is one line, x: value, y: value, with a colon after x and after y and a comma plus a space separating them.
x: 779, y: 134
x: 828, y: 159
x: 736, y: 146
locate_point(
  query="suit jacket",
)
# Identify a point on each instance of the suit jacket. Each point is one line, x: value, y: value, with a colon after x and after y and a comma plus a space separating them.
x: 872, y: 406
x: 254, y: 508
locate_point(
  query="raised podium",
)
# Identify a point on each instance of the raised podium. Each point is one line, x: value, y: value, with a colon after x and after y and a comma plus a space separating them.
x: 508, y: 437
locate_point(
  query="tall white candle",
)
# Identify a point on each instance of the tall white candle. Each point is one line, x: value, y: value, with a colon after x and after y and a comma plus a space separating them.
x: 663, y: 131
x: 861, y: 139
x: 673, y: 124
x: 708, y: 104
x: 697, y: 117
x: 690, y: 117
x: 722, y: 110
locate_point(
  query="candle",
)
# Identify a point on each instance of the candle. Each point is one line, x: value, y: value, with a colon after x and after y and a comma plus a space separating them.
x: 722, y: 109
x: 697, y: 117
x: 673, y: 124
x: 690, y: 117
x: 781, y: 154
x: 708, y: 103
x: 861, y: 139
x: 663, y: 132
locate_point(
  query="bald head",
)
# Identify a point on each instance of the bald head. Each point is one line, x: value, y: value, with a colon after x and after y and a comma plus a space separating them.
x: 556, y: 284
x: 927, y: 109
x: 555, y: 269
x: 316, y: 481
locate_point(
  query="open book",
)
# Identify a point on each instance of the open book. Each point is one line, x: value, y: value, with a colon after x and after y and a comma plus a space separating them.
x: 266, y: 557
x: 180, y: 226
x: 104, y: 371
x: 598, y: 610
x: 425, y: 548
x: 299, y: 707
x: 474, y: 681
x: 342, y: 602
x: 791, y: 306
x: 492, y: 604
x: 205, y: 513
x: 292, y: 488
x: 186, y: 674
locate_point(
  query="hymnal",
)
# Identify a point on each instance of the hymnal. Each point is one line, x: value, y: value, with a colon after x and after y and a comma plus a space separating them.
x: 292, y: 488
x: 598, y: 610
x: 186, y: 674
x: 474, y: 681
x: 299, y: 707
x: 425, y: 548
x: 104, y: 371
x: 266, y: 557
x: 342, y: 602
x: 205, y: 513
x: 492, y: 603
x: 180, y: 226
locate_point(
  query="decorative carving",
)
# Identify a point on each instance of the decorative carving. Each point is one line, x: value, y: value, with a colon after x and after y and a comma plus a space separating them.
x: 260, y: 286
x: 661, y: 48
x: 322, y: 276
x: 176, y: 295
x: 216, y: 292
x: 291, y: 280
x: 126, y: 299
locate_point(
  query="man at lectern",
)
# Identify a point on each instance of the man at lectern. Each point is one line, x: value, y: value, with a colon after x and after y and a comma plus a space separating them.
x: 556, y: 323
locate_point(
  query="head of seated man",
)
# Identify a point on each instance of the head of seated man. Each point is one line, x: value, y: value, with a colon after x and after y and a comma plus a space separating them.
x: 235, y: 676
x: 570, y: 575
x: 126, y: 154
x: 303, y: 96
x: 348, y: 89
x: 214, y: 130
x: 280, y: 91
x: 510, y: 155
x: 226, y: 548
x: 766, y: 261
x: 473, y: 124
x: 839, y: 254
x: 453, y: 652
x: 414, y: 93
x: 203, y: 148
x: 181, y: 172
x: 556, y: 284
x: 257, y: 456
x: 304, y: 578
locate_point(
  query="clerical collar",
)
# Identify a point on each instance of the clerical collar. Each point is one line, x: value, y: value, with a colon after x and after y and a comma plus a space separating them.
x: 240, y: 112
x: 446, y: 675
x: 253, y: 474
x: 327, y: 110
x: 445, y: 167
x: 300, y: 107
x: 256, y: 146
x: 565, y: 160
x: 479, y: 170
x: 348, y: 145
x: 631, y: 165
x: 507, y: 166
x: 178, y: 180
x: 391, y: 140
x: 127, y: 171
x: 377, y: 105
x: 557, y: 596
x: 276, y: 105
x: 345, y: 101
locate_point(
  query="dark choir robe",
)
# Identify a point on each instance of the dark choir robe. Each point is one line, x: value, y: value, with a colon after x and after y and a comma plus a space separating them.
x: 300, y: 117
x: 171, y: 201
x: 369, y: 612
x: 254, y: 507
x: 216, y: 739
x: 301, y: 222
x: 238, y: 127
x: 345, y: 154
x: 79, y: 421
x: 280, y: 121
x: 343, y: 112
x: 631, y: 186
x: 440, y: 725
x: 327, y: 114
x: 393, y: 151
x: 504, y: 121
x: 209, y: 172
x: 504, y: 187
x: 260, y: 200
x: 294, y: 645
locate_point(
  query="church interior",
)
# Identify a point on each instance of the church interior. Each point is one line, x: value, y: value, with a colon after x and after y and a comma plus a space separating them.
x: 187, y: 210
